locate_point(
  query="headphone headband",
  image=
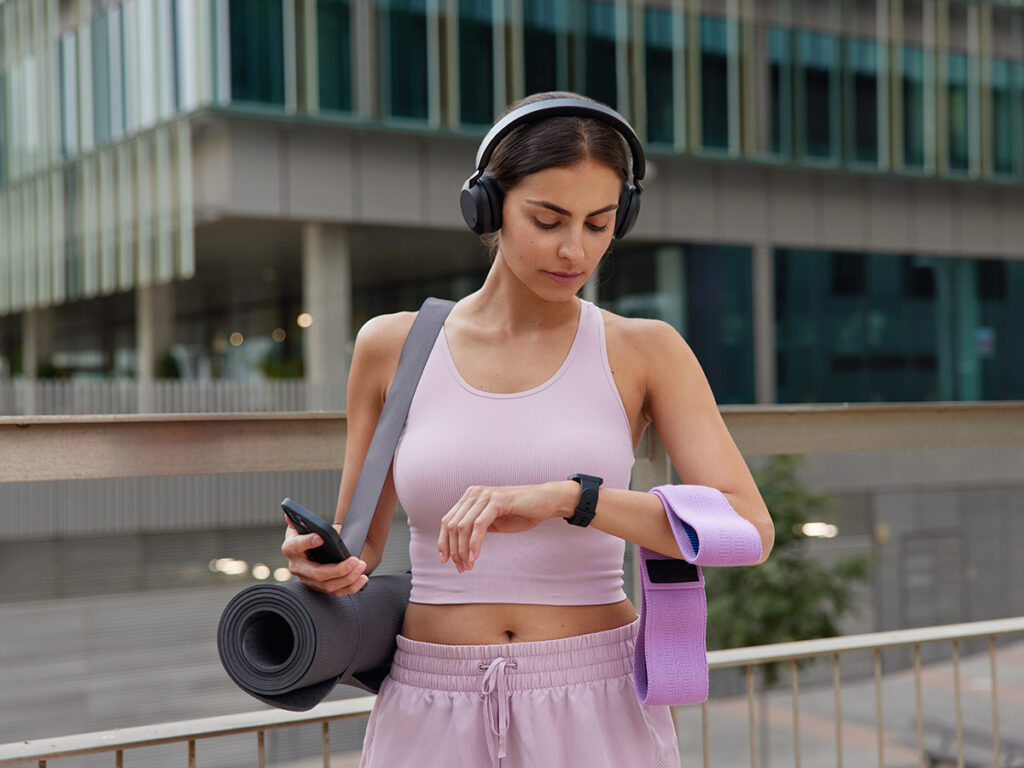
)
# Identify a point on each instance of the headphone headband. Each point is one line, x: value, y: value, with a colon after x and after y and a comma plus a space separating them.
x: 481, y: 198
x: 539, y: 110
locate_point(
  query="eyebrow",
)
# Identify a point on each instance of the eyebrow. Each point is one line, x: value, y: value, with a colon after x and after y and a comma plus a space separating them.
x: 563, y: 212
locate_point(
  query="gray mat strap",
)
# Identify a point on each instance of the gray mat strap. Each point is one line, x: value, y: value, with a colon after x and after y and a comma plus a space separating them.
x: 415, y: 352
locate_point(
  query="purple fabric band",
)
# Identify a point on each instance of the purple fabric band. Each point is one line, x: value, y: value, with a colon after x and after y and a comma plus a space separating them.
x: 670, y: 661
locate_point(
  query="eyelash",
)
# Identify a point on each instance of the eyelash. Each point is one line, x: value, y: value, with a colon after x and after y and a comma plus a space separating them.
x: 591, y: 227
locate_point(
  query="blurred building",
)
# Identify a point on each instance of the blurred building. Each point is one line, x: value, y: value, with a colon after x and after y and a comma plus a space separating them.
x: 834, y: 211
x: 202, y: 200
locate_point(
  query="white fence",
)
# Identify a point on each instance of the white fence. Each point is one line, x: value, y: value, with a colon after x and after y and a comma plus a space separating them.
x: 19, y: 397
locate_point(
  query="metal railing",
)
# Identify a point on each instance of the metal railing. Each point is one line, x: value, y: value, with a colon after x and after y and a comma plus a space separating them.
x: 189, y: 732
x: 61, y: 448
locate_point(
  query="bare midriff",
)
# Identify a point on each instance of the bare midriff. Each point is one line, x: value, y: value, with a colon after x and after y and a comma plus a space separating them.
x: 498, y: 623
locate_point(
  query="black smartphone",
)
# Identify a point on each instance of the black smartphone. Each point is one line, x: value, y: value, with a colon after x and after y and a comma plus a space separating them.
x: 333, y: 549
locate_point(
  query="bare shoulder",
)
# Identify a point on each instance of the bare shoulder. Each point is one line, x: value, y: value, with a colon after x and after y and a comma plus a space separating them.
x: 642, y: 339
x: 378, y: 347
x: 380, y: 335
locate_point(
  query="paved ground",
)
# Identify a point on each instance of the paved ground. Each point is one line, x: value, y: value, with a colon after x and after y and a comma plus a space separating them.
x: 87, y: 664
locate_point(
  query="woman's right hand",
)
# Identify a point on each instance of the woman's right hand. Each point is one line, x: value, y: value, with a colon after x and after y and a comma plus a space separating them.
x: 342, y: 578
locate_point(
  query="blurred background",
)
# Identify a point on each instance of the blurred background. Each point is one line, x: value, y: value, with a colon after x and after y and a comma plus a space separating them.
x: 201, y: 201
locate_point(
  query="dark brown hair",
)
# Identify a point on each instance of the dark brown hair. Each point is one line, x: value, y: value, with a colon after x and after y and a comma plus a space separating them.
x: 551, y: 143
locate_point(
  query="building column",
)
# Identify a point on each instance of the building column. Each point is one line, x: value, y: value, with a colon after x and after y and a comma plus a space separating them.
x: 763, y: 269
x: 327, y: 299
x: 154, y: 334
x: 37, y: 335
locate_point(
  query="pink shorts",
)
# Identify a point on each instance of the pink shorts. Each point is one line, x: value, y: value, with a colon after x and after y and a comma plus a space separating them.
x: 552, y: 703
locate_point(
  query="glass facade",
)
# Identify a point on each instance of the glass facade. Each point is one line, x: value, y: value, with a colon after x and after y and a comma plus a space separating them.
x: 715, y: 83
x: 257, y: 51
x: 704, y: 292
x: 545, y: 47
x: 404, y: 65
x: 883, y: 327
x: 959, y: 157
x: 862, y: 99
x: 476, y: 62
x: 334, y: 54
x: 791, y: 93
x: 1007, y: 115
x: 818, y: 95
x: 660, y: 70
x: 913, y: 107
x: 600, y: 52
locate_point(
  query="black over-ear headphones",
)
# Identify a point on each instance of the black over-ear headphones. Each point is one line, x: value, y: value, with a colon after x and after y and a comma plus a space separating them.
x: 480, y: 197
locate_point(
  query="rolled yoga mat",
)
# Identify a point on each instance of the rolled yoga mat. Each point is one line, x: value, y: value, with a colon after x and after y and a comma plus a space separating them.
x: 288, y: 645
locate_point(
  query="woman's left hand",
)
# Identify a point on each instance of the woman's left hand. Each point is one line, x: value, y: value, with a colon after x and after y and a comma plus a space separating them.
x: 506, y: 509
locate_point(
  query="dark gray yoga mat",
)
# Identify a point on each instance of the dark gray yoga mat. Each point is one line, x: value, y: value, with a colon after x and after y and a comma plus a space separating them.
x: 288, y: 646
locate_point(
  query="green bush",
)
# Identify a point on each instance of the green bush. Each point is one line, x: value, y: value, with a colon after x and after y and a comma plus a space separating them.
x: 790, y: 596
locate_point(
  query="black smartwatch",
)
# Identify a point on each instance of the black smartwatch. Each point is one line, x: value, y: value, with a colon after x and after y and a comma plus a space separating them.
x: 584, y: 513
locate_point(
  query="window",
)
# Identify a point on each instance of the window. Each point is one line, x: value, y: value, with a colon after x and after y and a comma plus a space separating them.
x: 403, y: 51
x: 659, y: 81
x: 101, y: 92
x: 997, y: 341
x: 862, y: 101
x: 5, y: 109
x: 600, y: 57
x: 334, y: 54
x: 544, y: 47
x: 913, y: 107
x: 476, y: 62
x: 714, y: 82
x: 68, y: 95
x: 1007, y: 87
x: 780, y: 84
x: 257, y: 51
x: 863, y: 340
x: 818, y: 84
x: 115, y: 49
x: 956, y: 109
x: 704, y: 292
x: 906, y: 328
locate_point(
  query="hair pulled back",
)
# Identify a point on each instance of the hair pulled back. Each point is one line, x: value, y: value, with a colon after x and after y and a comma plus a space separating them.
x: 553, y: 142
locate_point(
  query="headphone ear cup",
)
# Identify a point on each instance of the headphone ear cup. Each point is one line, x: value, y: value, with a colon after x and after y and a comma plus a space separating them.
x: 629, y: 209
x: 474, y: 209
x: 489, y: 203
x: 481, y: 205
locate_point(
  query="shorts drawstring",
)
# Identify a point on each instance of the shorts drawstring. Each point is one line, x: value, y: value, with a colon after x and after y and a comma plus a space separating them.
x: 494, y: 683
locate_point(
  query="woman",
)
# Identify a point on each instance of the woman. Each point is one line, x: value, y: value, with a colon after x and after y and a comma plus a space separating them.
x: 517, y: 644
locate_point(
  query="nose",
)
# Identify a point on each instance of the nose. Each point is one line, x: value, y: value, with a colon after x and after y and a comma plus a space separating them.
x: 571, y: 247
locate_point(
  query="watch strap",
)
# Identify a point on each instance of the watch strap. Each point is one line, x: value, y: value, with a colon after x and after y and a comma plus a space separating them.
x: 586, y: 508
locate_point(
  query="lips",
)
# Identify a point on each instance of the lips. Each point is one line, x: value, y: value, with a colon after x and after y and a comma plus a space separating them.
x: 563, y: 278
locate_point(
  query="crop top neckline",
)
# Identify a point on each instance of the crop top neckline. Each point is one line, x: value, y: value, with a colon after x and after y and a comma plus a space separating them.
x: 450, y: 361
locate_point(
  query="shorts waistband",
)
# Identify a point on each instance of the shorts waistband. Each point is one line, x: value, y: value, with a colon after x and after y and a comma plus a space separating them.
x: 529, y: 665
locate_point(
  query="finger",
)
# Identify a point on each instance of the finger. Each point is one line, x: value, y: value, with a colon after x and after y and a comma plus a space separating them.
x: 463, y: 532
x: 347, y: 587
x: 450, y: 517
x: 450, y: 533
x: 480, y: 528
x: 296, y: 545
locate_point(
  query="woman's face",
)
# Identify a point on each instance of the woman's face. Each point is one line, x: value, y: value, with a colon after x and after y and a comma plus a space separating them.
x: 556, y: 226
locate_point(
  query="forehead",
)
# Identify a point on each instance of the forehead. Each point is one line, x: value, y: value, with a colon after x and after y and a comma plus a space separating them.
x: 580, y: 185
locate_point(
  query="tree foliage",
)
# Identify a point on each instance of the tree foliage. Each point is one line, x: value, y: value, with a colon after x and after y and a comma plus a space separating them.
x: 791, y: 596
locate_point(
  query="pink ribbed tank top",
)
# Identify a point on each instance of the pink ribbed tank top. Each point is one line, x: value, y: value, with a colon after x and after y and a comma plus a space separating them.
x: 457, y: 436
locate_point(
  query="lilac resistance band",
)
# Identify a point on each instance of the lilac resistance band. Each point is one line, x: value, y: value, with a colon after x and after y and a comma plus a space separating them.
x: 670, y: 656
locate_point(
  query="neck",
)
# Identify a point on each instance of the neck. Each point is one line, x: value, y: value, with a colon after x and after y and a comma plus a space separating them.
x: 505, y: 302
